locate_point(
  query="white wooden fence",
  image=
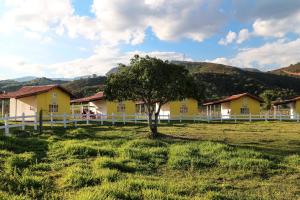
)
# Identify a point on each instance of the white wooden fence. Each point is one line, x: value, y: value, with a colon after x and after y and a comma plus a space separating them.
x: 65, y: 119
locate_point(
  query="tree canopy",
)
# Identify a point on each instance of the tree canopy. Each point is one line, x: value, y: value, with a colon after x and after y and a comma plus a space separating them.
x: 153, y: 81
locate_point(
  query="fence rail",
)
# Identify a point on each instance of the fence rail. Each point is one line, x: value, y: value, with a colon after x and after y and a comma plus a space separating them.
x: 65, y: 119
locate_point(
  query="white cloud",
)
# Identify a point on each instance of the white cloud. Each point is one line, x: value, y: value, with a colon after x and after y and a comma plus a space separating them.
x: 231, y: 36
x: 277, y: 27
x: 244, y: 35
x: 103, y: 59
x: 269, y: 56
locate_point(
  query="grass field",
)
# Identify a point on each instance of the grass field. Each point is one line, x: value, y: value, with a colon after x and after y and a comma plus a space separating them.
x: 258, y: 160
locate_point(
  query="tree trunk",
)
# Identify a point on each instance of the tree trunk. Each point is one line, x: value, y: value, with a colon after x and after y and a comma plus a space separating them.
x: 153, y: 125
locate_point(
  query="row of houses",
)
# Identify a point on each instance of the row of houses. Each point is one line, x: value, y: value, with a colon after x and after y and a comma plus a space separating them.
x: 57, y: 100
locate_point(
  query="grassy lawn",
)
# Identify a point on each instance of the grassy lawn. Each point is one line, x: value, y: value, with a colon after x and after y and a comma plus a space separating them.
x: 258, y: 160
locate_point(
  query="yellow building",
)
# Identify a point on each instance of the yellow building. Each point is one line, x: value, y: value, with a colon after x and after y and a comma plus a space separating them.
x: 97, y: 104
x: 240, y: 104
x: 185, y: 108
x: 292, y: 104
x: 31, y: 99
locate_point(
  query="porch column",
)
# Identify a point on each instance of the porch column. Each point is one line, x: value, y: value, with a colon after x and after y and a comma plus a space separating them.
x: 2, y: 108
x: 207, y: 110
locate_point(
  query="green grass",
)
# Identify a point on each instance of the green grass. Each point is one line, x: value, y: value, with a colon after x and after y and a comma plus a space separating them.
x: 258, y: 160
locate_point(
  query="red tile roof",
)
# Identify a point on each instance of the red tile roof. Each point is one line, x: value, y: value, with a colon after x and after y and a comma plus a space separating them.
x: 27, y: 91
x: 95, y: 97
x: 231, y: 98
x: 286, y: 101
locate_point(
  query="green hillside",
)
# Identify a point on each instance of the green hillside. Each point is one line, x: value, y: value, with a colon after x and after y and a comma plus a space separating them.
x: 218, y: 81
x: 221, y: 80
x: 292, y: 70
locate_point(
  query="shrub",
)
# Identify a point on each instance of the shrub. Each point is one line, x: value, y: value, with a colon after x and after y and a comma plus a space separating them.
x: 78, y: 176
x: 108, y: 175
x: 184, y: 157
x: 79, y: 132
x: 293, y: 160
x: 19, y: 161
x: 252, y: 164
x: 6, y: 196
x: 120, y: 164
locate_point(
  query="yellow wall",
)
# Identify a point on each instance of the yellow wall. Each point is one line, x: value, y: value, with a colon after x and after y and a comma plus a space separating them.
x: 298, y: 107
x: 252, y: 104
x: 62, y: 100
x: 191, y: 104
x: 112, y: 108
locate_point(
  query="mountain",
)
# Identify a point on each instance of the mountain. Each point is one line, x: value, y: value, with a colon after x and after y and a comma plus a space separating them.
x: 223, y: 80
x: 292, y: 70
x: 216, y: 79
x: 25, y: 78
x: 85, y: 86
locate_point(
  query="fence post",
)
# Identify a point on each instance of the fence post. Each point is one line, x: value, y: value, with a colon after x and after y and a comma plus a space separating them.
x: 101, y: 119
x: 6, y: 125
x: 65, y: 120
x: 88, y: 118
x: 51, y: 119
x: 23, y: 121
x: 221, y: 117
x: 266, y: 117
x: 169, y: 118
x: 124, y: 118
x: 35, y: 121
x: 235, y: 120
x: 180, y: 118
x: 280, y: 117
x: 113, y: 118
x: 250, y: 117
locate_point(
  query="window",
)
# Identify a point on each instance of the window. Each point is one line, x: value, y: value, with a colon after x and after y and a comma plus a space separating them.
x: 245, y: 111
x: 245, y: 101
x: 140, y: 108
x: 53, y: 108
x: 54, y: 97
x: 183, y: 109
x: 121, y: 107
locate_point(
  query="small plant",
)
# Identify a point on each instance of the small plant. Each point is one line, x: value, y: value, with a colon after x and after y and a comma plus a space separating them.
x: 119, y: 164
x: 19, y: 161
x: 78, y: 176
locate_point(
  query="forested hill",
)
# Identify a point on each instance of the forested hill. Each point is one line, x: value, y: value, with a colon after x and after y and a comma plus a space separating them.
x: 222, y: 80
x: 218, y: 81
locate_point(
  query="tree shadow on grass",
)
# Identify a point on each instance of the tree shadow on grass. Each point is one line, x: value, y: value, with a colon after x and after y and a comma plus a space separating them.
x: 177, y: 137
x: 21, y: 145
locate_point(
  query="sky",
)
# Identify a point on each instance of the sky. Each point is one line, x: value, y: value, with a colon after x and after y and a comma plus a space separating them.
x: 70, y: 38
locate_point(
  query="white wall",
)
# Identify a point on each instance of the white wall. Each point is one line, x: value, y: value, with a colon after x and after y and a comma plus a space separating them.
x: 225, y: 110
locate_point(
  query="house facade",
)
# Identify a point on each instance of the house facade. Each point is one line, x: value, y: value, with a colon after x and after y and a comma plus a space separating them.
x: 186, y: 108
x: 98, y: 104
x: 32, y: 99
x: 293, y: 106
x: 239, y: 104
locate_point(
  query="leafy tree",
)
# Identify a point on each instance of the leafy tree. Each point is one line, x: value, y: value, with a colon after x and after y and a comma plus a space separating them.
x: 151, y: 80
x: 272, y: 95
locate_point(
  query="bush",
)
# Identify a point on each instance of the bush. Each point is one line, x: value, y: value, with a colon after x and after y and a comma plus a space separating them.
x: 120, y: 164
x: 79, y: 132
x: 78, y: 176
x: 19, y: 161
x: 188, y: 157
x: 7, y: 196
x: 252, y: 164
x: 81, y: 149
x: 293, y: 160
x: 107, y: 175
